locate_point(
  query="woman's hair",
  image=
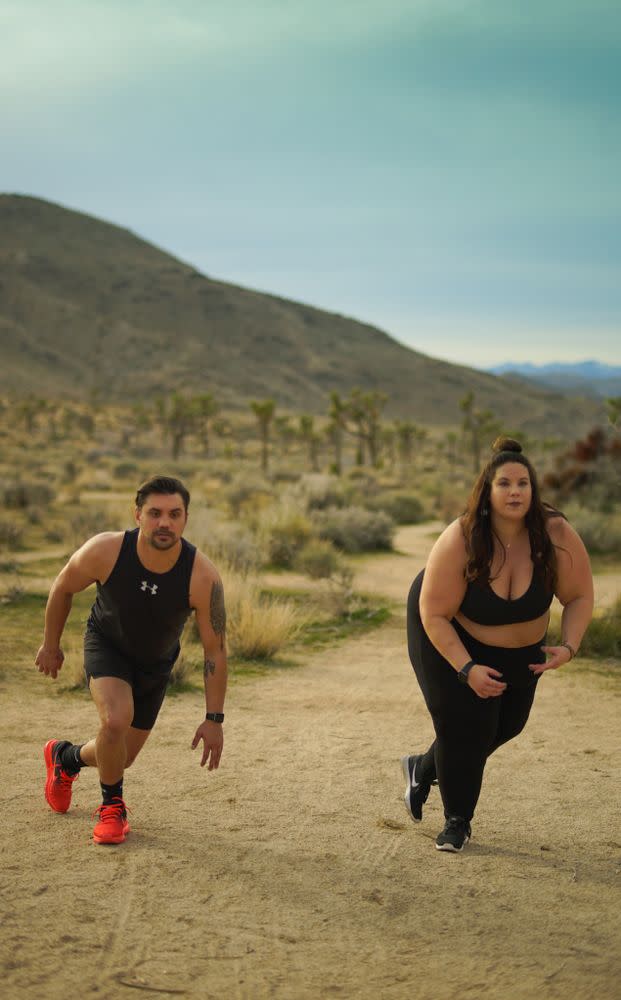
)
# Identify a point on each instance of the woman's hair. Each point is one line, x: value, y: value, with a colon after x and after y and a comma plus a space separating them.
x: 476, y: 520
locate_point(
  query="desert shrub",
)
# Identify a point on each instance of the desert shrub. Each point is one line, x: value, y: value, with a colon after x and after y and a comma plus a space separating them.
x: 84, y: 522
x: 282, y: 530
x: 318, y: 559
x: 603, y: 636
x: 72, y: 676
x: 18, y: 496
x: 11, y: 586
x: 11, y: 535
x: 125, y: 469
x: 316, y: 491
x: 258, y: 626
x: 355, y: 529
x: 403, y: 508
x: 233, y: 547
x: 247, y: 491
x: 190, y: 660
x: 600, y: 532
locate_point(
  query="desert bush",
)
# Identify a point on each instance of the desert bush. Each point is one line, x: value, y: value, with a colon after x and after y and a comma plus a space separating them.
x: 316, y: 491
x: 190, y: 659
x: 84, y: 522
x: 286, y: 536
x: 403, y: 508
x: 603, y: 636
x: 72, y: 676
x: 234, y: 547
x: 20, y: 495
x: 11, y: 535
x: 318, y: 559
x: 355, y: 529
x: 600, y: 532
x: 321, y: 561
x: 247, y: 491
x: 125, y: 469
x: 258, y: 626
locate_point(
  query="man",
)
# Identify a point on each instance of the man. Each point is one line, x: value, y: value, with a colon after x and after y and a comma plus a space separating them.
x: 148, y: 582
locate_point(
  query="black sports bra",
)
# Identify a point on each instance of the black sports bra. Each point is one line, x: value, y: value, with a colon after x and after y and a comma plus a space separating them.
x: 484, y: 607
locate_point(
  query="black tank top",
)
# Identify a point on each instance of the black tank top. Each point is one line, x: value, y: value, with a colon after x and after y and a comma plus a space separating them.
x: 483, y: 606
x: 140, y: 612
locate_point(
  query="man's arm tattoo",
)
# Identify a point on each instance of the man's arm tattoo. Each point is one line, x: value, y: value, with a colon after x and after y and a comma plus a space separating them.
x: 209, y: 668
x: 217, y: 611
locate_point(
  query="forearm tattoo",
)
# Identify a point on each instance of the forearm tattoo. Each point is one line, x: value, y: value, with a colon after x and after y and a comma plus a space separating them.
x: 217, y: 611
x: 209, y: 668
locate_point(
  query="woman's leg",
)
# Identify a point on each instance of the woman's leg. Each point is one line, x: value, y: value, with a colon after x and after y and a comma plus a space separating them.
x: 465, y: 724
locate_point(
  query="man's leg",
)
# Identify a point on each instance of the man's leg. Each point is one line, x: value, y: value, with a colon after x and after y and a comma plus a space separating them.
x: 134, y: 742
x: 115, y: 703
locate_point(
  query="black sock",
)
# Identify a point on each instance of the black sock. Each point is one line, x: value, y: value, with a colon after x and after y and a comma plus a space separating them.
x: 69, y: 758
x: 111, y: 792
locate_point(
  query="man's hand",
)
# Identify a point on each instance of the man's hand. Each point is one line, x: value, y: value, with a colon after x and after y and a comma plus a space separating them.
x: 213, y: 740
x: 49, y: 661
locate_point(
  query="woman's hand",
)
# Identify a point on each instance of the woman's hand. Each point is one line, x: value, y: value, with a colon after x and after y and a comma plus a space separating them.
x: 483, y: 681
x: 556, y: 656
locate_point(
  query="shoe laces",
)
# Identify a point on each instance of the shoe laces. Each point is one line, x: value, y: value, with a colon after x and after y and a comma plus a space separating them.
x: 109, y: 812
x: 62, y: 777
x: 457, y: 824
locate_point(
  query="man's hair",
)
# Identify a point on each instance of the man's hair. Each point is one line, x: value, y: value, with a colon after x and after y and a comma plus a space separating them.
x: 162, y: 484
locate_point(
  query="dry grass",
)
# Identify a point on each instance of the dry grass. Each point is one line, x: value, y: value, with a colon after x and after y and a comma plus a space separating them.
x: 258, y: 626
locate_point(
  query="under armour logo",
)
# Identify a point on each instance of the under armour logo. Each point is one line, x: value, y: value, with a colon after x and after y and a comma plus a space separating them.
x: 149, y: 586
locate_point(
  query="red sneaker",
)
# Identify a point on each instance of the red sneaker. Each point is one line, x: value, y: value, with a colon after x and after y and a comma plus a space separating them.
x: 58, y: 786
x: 112, y: 827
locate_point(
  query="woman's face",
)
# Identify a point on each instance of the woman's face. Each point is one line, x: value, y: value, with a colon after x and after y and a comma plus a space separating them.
x: 511, y: 491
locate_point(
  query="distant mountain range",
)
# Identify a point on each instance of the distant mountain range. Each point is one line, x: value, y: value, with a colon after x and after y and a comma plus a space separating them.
x: 591, y: 378
x: 88, y: 306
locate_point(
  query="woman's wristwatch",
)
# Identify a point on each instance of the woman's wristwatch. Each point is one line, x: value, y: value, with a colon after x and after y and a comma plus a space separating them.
x: 465, y: 670
x: 214, y: 717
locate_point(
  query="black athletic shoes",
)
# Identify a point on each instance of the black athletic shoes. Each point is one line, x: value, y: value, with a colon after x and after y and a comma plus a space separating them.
x: 455, y: 835
x: 416, y: 792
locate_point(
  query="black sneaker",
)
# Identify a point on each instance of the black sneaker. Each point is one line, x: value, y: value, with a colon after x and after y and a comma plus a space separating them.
x: 454, y: 836
x: 416, y: 792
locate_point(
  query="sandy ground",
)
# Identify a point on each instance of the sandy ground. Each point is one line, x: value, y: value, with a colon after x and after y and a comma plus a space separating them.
x: 294, y: 871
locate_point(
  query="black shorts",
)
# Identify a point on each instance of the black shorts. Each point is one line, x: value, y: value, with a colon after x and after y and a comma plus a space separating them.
x: 148, y: 683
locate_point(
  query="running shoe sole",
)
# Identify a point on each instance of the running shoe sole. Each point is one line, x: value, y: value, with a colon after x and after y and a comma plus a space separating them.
x: 451, y: 847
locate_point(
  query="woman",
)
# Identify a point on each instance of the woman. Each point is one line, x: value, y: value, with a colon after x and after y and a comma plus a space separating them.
x: 477, y: 619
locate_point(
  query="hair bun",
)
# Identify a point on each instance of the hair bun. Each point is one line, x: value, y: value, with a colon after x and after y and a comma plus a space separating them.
x: 506, y: 444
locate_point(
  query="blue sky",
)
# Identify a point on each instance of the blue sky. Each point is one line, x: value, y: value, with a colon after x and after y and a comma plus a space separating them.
x: 448, y: 171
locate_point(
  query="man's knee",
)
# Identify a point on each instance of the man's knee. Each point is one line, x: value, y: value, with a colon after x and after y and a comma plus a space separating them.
x: 115, y: 723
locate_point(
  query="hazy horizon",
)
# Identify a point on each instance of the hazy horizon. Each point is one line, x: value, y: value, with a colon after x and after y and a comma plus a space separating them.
x: 447, y: 172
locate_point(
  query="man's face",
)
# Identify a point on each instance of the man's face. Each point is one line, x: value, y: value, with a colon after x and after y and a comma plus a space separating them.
x: 162, y: 520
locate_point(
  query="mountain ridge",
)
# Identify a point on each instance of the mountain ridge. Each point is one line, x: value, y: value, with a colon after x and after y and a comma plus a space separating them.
x: 88, y: 305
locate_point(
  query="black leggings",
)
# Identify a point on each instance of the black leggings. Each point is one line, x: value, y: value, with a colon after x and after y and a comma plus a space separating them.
x: 468, y: 728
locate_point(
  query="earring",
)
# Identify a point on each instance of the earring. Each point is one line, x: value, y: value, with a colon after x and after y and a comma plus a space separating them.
x: 484, y: 511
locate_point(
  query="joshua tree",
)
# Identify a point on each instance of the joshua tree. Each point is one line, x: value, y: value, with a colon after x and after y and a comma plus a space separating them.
x: 264, y: 412
x: 177, y: 417
x: 205, y: 408
x: 338, y: 424
x: 365, y: 409
x: 476, y: 424
x: 309, y: 434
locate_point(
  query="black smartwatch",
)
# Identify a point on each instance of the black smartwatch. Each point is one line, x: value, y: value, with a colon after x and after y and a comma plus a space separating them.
x: 214, y: 717
x: 465, y: 670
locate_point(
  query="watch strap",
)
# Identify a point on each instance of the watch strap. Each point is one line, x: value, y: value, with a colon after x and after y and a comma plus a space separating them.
x: 214, y: 717
x: 465, y: 670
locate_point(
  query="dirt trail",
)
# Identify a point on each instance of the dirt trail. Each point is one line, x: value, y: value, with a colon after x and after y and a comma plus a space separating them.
x: 294, y: 872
